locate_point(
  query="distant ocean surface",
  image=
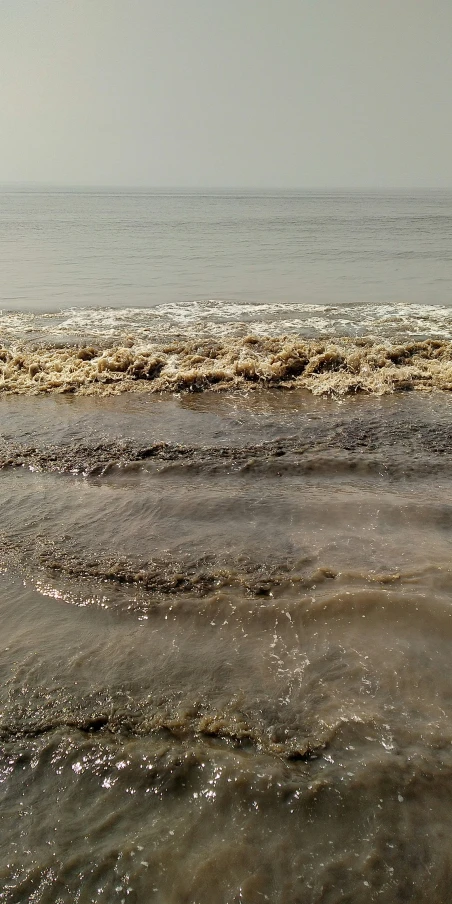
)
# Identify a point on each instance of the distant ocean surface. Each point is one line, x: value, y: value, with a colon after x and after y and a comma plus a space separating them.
x: 258, y: 255
x: 225, y: 547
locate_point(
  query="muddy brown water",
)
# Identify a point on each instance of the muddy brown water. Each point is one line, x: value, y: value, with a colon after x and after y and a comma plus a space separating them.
x: 226, y: 627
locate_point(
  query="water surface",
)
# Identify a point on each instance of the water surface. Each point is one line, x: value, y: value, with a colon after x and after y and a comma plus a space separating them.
x: 226, y: 625
x: 225, y: 528
x: 123, y: 248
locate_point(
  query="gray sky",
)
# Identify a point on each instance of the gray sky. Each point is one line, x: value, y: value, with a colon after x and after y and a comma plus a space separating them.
x: 291, y: 93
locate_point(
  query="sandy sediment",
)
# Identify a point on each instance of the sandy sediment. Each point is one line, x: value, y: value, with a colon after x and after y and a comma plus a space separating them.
x: 336, y: 366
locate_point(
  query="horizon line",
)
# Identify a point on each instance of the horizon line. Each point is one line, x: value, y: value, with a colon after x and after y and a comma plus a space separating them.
x: 222, y: 188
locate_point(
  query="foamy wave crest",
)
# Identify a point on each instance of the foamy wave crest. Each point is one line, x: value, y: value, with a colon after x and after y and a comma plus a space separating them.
x: 322, y: 367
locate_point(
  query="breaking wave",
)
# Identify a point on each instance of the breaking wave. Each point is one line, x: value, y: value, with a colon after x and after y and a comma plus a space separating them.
x: 334, y: 366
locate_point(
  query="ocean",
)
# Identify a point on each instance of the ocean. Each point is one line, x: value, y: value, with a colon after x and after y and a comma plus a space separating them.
x: 226, y: 523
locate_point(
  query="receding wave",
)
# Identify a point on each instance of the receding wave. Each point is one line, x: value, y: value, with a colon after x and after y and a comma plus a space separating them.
x: 152, y: 581
x: 204, y: 576
x: 431, y: 455
x: 335, y: 367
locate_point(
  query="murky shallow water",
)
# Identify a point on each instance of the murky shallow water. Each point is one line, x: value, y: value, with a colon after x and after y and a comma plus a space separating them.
x: 226, y: 626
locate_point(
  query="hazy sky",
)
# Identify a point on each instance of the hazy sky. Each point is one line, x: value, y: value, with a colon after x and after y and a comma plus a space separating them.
x: 307, y: 93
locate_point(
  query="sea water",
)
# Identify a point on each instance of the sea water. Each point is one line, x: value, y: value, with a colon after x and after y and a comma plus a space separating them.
x: 226, y: 516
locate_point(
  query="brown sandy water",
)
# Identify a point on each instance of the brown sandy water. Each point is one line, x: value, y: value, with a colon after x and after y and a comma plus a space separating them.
x: 338, y: 366
x: 225, y: 649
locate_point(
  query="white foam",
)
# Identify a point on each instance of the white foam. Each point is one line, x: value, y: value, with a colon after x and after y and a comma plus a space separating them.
x: 216, y: 317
